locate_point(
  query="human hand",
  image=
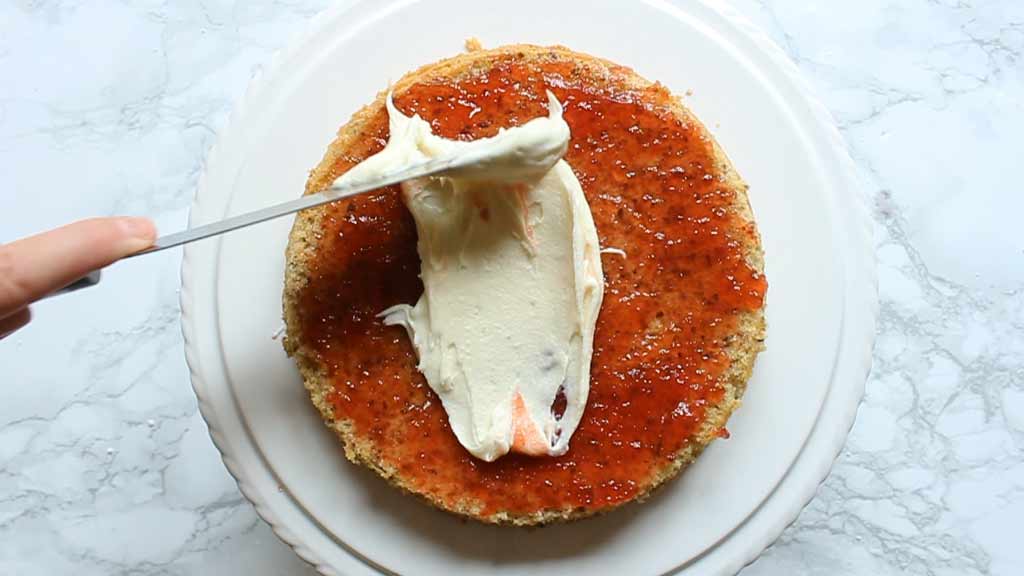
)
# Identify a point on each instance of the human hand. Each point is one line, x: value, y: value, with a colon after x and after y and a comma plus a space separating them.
x: 33, y: 267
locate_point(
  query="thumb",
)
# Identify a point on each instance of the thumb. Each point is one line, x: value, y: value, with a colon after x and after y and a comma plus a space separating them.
x: 35, y: 266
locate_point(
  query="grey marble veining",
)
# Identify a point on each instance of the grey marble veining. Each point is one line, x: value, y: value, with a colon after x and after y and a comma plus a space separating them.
x: 106, y: 466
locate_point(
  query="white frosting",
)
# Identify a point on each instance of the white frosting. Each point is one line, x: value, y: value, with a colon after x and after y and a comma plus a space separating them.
x: 512, y: 281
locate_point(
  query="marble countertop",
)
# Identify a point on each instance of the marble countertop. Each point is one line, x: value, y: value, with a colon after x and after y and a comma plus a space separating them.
x: 105, y: 463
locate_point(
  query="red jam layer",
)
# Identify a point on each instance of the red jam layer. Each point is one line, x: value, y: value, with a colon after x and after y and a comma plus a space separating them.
x: 669, y: 305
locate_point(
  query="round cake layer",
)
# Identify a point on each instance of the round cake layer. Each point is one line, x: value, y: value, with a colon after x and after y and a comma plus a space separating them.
x: 681, y: 323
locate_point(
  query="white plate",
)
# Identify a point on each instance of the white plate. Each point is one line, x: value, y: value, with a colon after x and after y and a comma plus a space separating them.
x: 821, y: 302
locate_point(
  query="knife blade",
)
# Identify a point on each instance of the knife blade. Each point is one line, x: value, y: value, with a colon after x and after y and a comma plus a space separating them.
x: 335, y: 192
x: 332, y: 194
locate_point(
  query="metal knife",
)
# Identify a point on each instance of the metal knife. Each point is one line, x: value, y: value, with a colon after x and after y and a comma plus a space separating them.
x: 423, y: 169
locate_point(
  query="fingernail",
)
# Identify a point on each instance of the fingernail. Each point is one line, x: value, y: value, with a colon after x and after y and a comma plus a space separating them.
x: 141, y: 228
x: 140, y: 234
x: 141, y: 231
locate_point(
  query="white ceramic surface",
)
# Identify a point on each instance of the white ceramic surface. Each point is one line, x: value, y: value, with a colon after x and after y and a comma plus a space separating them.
x: 818, y: 258
x: 107, y: 468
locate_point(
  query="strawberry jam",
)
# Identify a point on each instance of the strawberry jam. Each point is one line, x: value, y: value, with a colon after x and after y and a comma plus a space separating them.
x: 670, y: 305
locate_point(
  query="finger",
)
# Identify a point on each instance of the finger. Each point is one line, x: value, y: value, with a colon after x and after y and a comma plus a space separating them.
x: 11, y: 323
x: 35, y: 266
